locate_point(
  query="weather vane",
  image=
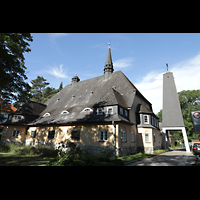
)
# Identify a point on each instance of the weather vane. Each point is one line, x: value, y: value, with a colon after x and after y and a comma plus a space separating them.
x: 109, y: 43
x: 167, y: 66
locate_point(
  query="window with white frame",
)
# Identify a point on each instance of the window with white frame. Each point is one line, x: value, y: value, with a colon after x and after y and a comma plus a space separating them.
x: 100, y: 111
x: 103, y: 135
x: 15, y: 133
x: 147, y: 138
x: 146, y: 119
x: 87, y: 110
x: 64, y: 112
x: 123, y: 136
x: 109, y: 110
x: 132, y: 137
x: 46, y: 115
x: 33, y: 134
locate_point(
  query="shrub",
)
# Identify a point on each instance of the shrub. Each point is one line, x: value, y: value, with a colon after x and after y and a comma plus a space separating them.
x: 78, y: 157
x: 20, y: 149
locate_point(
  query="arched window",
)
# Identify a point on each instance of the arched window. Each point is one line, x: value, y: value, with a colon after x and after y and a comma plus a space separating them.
x: 87, y: 110
x: 64, y: 112
x: 46, y: 115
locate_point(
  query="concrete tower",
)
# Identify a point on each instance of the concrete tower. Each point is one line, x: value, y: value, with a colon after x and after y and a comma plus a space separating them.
x: 172, y: 118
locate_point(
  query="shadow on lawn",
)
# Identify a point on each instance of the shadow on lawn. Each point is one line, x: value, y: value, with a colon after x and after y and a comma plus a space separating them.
x: 7, y: 159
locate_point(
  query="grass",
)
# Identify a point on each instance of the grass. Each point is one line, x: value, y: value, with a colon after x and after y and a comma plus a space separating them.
x: 20, y: 155
x: 140, y: 156
x: 8, y: 159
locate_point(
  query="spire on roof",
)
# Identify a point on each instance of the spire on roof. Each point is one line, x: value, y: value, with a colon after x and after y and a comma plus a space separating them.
x: 108, y: 68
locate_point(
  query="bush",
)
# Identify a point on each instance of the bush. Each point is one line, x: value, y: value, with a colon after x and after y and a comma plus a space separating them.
x: 78, y: 157
x: 20, y: 149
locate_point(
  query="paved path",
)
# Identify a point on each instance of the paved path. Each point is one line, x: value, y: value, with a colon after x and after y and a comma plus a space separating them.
x: 176, y: 157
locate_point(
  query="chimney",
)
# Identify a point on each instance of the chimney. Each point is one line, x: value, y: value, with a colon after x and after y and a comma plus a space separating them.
x: 75, y: 79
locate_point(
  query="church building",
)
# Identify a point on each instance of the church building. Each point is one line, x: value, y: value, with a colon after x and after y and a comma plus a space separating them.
x: 105, y: 112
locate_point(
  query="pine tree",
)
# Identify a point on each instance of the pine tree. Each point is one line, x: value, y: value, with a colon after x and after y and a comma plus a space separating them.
x: 38, y: 86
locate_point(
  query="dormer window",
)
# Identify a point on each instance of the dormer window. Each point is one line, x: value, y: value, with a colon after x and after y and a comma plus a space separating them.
x: 64, y: 112
x: 100, y: 111
x: 46, y: 115
x: 109, y: 110
x: 121, y: 111
x: 87, y: 110
x: 146, y: 119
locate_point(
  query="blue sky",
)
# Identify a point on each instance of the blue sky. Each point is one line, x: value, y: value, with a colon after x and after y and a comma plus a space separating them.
x: 141, y: 57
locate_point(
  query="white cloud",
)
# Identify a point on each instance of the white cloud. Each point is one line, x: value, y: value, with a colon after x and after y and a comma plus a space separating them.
x: 57, y: 71
x: 123, y: 63
x: 186, y: 75
x: 56, y: 35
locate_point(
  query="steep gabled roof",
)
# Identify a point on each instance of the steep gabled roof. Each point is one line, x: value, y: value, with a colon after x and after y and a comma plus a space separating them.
x: 91, y: 93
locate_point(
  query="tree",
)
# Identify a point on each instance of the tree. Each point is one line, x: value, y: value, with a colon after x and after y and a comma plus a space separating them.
x: 189, y: 101
x: 61, y: 86
x: 38, y: 86
x: 48, y: 93
x: 12, y: 65
x: 159, y: 114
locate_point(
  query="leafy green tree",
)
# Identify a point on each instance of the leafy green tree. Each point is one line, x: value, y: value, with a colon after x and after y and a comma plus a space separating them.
x: 38, y: 86
x: 189, y: 101
x: 159, y: 114
x: 12, y: 65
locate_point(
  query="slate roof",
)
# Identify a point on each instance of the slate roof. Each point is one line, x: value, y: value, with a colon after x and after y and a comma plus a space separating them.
x: 91, y: 93
x: 30, y: 111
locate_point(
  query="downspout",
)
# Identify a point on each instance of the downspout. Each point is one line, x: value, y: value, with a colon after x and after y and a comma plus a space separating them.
x: 114, y: 132
x: 26, y: 129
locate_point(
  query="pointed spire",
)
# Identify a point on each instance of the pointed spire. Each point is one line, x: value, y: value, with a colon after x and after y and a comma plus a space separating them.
x: 108, y: 68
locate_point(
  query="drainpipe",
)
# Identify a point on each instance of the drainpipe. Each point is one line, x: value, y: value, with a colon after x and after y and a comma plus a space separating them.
x: 26, y: 129
x: 114, y: 132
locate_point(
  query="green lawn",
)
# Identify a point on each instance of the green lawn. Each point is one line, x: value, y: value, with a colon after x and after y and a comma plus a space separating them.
x: 7, y: 159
